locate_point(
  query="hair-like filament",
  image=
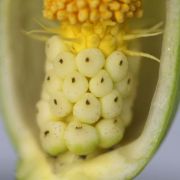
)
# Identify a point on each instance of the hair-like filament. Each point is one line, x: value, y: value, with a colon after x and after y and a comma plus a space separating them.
x: 130, y: 37
x: 157, y: 27
x: 139, y: 54
x: 155, y: 30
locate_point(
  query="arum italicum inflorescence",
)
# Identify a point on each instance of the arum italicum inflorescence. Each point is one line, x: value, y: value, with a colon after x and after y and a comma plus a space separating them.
x: 90, y: 84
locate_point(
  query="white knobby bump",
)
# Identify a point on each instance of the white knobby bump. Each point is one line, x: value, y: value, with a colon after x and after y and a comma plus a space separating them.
x: 60, y: 105
x: 52, y: 83
x: 117, y: 65
x: 111, y: 104
x: 126, y: 85
x: 75, y: 86
x: 110, y: 132
x: 52, y: 137
x: 64, y: 64
x: 87, y: 109
x: 80, y: 138
x: 90, y: 61
x: 101, y: 84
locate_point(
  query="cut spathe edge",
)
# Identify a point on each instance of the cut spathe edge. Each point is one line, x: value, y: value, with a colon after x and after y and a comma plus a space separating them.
x: 126, y: 161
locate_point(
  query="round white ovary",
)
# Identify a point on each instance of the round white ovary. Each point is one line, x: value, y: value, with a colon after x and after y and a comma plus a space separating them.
x: 64, y: 64
x: 90, y: 61
x: 126, y: 85
x: 111, y: 104
x: 59, y: 104
x: 75, y: 85
x: 87, y: 109
x: 101, y: 84
x: 117, y: 66
x: 110, y: 132
x: 81, y: 139
x: 54, y: 46
x: 52, y: 138
x: 52, y: 83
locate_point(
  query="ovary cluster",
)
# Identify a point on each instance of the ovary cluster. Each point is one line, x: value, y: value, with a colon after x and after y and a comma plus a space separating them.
x: 84, y: 103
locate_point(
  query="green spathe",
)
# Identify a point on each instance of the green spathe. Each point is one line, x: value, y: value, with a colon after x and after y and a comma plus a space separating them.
x: 125, y: 162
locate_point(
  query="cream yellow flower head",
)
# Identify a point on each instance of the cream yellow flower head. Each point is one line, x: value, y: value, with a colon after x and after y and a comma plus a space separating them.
x: 93, y: 11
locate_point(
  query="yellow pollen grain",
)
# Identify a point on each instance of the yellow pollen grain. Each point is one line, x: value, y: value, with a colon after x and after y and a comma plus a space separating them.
x: 60, y: 5
x: 107, y: 1
x: 94, y: 11
x: 83, y: 15
x: 125, y: 1
x: 103, y: 8
x: 81, y: 3
x: 54, y: 8
x: 125, y: 8
x: 61, y: 15
x: 107, y: 15
x: 114, y: 6
x: 119, y: 17
x: 94, y: 3
x: 71, y: 7
x: 94, y: 16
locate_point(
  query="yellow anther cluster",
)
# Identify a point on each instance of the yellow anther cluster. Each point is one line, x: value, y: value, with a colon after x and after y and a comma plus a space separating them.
x: 80, y: 11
